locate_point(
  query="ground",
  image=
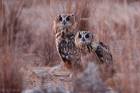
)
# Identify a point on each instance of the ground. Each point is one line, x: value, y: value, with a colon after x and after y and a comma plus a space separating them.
x: 57, y: 76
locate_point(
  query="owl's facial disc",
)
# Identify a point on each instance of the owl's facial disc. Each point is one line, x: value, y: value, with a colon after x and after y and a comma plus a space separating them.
x: 65, y: 21
x: 86, y: 38
x: 81, y: 38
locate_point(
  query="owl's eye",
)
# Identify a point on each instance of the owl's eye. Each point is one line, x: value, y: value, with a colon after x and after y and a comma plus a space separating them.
x: 80, y: 36
x: 60, y: 18
x: 68, y: 18
x: 87, y: 36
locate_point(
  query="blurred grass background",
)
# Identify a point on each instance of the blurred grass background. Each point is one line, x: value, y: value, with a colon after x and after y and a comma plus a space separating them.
x: 26, y: 34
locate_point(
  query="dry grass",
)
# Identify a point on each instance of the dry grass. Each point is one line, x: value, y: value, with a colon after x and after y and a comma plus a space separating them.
x: 10, y: 77
x: 118, y: 26
x: 30, y: 37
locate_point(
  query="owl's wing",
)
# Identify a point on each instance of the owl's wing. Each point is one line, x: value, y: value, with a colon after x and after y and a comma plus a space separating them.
x: 103, y: 52
x: 64, y: 54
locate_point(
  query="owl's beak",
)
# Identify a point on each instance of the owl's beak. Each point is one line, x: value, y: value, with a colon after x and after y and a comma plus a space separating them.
x: 83, y: 39
x: 64, y: 22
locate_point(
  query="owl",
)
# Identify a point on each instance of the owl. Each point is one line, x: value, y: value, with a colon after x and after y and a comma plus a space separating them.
x: 95, y: 52
x: 85, y: 41
x: 65, y: 31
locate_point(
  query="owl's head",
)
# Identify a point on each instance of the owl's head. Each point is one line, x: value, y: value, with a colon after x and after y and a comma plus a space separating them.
x: 83, y: 38
x: 64, y: 21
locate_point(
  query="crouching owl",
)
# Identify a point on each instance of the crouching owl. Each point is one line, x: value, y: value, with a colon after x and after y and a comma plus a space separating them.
x: 84, y: 40
x: 96, y: 52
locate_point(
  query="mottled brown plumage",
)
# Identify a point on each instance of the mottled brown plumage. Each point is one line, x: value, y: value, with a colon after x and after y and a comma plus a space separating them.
x: 84, y: 40
x: 65, y: 30
x: 98, y: 53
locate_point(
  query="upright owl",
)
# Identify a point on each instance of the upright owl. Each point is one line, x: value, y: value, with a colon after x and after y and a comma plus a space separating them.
x: 84, y: 40
x: 64, y: 28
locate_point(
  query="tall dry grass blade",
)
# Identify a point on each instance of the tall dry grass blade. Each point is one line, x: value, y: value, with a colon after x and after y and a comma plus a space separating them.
x: 10, y: 77
x: 10, y: 23
x: 69, y: 6
x: 83, y: 13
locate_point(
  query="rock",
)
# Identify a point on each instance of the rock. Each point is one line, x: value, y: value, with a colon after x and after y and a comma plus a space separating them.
x: 49, y: 89
x: 90, y: 82
x: 34, y: 90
